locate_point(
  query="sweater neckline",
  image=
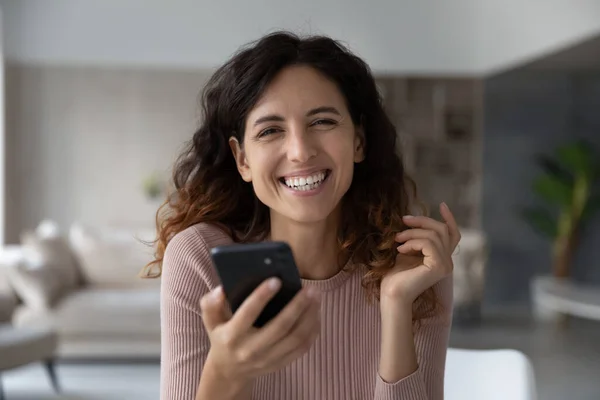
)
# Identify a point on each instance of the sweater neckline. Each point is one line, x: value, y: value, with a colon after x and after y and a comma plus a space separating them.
x: 331, y: 283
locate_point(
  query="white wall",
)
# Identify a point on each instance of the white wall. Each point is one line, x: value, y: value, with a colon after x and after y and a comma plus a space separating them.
x: 82, y: 141
x: 2, y: 136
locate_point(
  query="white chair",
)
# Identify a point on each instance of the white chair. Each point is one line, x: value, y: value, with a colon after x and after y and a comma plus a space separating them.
x: 488, y: 374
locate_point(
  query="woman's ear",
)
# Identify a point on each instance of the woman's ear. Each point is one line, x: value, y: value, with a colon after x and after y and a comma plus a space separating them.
x: 359, y: 145
x: 240, y: 159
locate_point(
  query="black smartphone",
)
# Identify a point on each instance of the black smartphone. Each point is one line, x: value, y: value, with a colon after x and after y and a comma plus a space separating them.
x: 242, y: 267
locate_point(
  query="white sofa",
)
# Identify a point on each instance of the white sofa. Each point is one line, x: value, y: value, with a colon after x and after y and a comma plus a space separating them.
x: 84, y: 284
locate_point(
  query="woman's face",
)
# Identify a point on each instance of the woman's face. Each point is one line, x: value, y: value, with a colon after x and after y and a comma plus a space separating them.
x: 300, y: 146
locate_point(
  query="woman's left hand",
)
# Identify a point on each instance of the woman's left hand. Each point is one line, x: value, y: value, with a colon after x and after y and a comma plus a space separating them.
x: 431, y: 240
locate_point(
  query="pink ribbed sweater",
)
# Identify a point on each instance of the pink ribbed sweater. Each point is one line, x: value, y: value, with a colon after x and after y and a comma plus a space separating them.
x: 342, y: 364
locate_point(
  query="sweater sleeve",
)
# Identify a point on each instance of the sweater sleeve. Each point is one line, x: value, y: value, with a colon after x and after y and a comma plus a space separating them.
x: 431, y: 344
x: 186, y: 278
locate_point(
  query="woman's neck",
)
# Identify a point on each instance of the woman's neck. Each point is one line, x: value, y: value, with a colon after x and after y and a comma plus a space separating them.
x: 315, y: 245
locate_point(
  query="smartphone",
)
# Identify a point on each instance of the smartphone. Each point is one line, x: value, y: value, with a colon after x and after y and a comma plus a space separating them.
x: 242, y: 267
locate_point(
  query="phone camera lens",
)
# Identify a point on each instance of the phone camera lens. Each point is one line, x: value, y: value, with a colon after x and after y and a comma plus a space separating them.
x: 268, y: 261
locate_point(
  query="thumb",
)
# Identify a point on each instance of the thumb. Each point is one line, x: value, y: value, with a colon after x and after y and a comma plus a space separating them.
x: 215, y: 310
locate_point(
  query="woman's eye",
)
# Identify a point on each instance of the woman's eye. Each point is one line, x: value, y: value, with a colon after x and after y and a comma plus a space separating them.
x: 323, y: 122
x: 268, y: 131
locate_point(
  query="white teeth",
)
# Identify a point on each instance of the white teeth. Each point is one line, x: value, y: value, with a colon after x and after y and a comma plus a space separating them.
x: 305, y: 183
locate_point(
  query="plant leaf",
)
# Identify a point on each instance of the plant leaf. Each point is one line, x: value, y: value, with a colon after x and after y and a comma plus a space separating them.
x: 578, y: 157
x: 552, y: 167
x: 553, y: 190
x: 540, y: 220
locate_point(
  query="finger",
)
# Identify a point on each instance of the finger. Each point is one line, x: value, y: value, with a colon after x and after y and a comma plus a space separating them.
x: 253, y: 305
x: 426, y: 247
x: 433, y: 258
x: 280, y: 326
x: 451, y: 223
x: 429, y: 223
x: 417, y: 233
x: 214, y: 309
x: 423, y: 245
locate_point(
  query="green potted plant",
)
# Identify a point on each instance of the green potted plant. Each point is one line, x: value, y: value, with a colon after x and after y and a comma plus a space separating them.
x: 568, y: 194
x: 153, y: 186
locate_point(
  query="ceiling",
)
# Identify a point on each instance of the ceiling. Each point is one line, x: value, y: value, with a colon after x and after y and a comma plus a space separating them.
x: 449, y: 38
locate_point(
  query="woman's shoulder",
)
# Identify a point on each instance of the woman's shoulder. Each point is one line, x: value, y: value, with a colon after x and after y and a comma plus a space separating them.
x: 191, y: 247
x: 200, y: 237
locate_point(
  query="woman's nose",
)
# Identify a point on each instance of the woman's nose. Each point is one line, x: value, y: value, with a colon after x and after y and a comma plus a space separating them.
x: 300, y: 146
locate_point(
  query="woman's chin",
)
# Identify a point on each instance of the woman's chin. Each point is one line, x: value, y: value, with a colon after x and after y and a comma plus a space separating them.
x: 307, y: 216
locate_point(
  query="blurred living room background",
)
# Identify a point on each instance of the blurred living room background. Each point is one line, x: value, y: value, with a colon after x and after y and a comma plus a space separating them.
x: 497, y: 105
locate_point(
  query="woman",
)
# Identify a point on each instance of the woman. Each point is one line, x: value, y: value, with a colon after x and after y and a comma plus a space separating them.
x: 295, y: 146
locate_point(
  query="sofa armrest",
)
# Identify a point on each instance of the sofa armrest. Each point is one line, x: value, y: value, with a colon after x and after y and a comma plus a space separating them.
x: 9, y: 257
x: 8, y: 298
x: 8, y: 303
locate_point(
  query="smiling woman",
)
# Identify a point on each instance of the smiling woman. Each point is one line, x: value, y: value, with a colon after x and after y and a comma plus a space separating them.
x: 296, y: 146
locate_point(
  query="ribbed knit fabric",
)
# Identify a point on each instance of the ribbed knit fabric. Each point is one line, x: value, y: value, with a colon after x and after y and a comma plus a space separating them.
x: 342, y: 364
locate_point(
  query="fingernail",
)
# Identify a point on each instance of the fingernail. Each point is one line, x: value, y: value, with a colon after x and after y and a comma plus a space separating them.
x: 274, y: 283
x: 445, y: 205
x: 408, y: 216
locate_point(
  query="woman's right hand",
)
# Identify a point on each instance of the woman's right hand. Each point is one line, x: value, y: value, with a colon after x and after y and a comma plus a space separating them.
x: 239, y: 351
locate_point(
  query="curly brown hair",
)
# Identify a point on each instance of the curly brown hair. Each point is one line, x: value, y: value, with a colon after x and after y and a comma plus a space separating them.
x: 209, y: 188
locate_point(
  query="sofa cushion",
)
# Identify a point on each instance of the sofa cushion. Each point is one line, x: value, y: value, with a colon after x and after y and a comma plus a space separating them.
x: 97, y: 312
x: 46, y: 269
x: 53, y: 252
x: 8, y: 303
x: 38, y: 287
x: 112, y: 257
x: 8, y: 297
